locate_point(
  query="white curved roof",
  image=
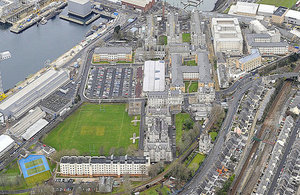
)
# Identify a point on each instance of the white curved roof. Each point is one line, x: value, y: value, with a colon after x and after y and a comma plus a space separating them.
x: 5, y: 141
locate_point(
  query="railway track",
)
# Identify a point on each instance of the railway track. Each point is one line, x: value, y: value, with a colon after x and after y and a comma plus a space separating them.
x: 268, y: 124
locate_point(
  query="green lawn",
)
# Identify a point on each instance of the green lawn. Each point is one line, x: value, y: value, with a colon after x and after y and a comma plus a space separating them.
x: 88, y: 128
x: 213, y: 135
x: 39, y: 178
x: 11, y: 178
x: 186, y: 37
x: 102, y: 62
x: 193, y: 88
x: 156, y: 190
x: 277, y: 3
x: 163, y: 40
x: 190, y: 63
x: 179, y: 120
x: 198, y: 159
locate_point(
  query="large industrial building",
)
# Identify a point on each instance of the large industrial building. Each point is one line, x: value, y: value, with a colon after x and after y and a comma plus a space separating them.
x: 266, y: 10
x: 34, y: 129
x: 143, y: 5
x: 81, y: 8
x: 6, y: 144
x: 115, y: 166
x: 227, y: 36
x: 244, y: 9
x: 154, y: 76
x: 22, y: 125
x: 292, y: 17
x: 6, y: 6
x: 112, y: 54
x: 23, y: 100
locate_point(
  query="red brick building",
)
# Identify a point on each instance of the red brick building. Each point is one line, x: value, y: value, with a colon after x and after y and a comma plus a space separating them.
x: 143, y: 5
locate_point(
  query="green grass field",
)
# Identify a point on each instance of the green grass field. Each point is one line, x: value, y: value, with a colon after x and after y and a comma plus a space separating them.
x: 190, y: 63
x: 186, y: 37
x: 179, y: 120
x: 33, y: 163
x: 277, y: 3
x: 213, y: 135
x: 155, y: 190
x: 163, y: 40
x: 38, y: 178
x: 35, y: 170
x: 193, y: 88
x: 88, y: 128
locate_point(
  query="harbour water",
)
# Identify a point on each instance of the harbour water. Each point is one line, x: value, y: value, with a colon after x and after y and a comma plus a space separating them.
x: 34, y: 46
x: 207, y: 5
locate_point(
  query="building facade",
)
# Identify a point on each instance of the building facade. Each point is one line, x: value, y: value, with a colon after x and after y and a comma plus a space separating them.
x: 157, y: 143
x: 227, y: 36
x: 143, y: 5
x: 250, y: 62
x: 112, y: 54
x: 279, y: 15
x: 87, y: 166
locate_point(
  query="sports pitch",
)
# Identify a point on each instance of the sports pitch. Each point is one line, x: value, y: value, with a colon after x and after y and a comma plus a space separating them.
x: 90, y: 127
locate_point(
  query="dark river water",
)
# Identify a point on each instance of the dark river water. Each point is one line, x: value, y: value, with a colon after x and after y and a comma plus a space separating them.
x: 31, y: 48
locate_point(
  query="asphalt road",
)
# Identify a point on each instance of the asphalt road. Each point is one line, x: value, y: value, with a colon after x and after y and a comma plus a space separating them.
x: 212, y: 157
x: 283, y: 159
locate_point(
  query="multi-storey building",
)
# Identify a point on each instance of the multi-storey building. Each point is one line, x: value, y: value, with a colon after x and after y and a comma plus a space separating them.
x: 115, y: 166
x: 227, y: 35
x: 250, y: 62
x: 279, y: 15
x: 112, y: 54
x: 157, y: 143
x: 142, y: 5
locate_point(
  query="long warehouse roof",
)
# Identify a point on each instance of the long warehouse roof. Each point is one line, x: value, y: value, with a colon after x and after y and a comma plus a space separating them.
x: 154, y: 76
x: 34, y: 129
x: 5, y: 141
x: 141, y: 3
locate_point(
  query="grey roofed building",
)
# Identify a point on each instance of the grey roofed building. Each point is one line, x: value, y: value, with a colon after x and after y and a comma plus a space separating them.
x: 103, y: 159
x: 105, y: 184
x: 280, y: 11
x: 20, y: 102
x: 204, y: 68
x: 197, y: 35
x: 269, y: 44
x: 157, y: 143
x: 32, y: 117
x: 54, y: 104
x: 154, y: 76
x: 179, y: 48
x: 113, y: 50
x: 176, y: 74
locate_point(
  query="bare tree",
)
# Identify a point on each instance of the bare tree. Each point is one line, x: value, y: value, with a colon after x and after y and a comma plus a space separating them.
x: 155, y: 169
x: 127, y: 184
x: 131, y: 150
x: 112, y: 150
x: 101, y: 151
x: 43, y: 190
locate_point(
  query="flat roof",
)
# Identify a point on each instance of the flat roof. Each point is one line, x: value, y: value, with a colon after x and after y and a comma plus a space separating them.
x: 293, y: 14
x: 35, y: 128
x: 20, y: 101
x: 82, y: 2
x: 154, y: 76
x: 280, y: 11
x: 244, y: 7
x: 113, y: 50
x: 266, y: 8
x: 270, y: 44
x: 141, y: 3
x: 5, y: 141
